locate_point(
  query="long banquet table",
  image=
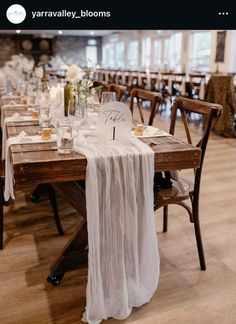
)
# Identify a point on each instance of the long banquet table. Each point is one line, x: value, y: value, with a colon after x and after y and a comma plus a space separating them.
x: 41, y: 163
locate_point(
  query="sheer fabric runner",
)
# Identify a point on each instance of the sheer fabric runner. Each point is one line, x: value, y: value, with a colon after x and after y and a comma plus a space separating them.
x: 123, y: 253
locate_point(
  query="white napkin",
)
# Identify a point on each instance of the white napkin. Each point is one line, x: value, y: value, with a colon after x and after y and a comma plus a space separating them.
x: 12, y: 100
x: 123, y: 267
x: 14, y: 118
x: 22, y: 138
x: 150, y: 131
x: 10, y: 105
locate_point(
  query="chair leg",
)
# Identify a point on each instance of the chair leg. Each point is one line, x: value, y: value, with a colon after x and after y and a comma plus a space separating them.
x: 165, y: 218
x: 53, y: 201
x: 1, y: 214
x: 199, y: 243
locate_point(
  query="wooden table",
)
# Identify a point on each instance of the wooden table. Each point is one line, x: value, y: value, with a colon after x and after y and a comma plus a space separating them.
x: 41, y: 163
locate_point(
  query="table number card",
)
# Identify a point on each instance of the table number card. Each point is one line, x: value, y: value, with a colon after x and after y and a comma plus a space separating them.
x: 114, y: 123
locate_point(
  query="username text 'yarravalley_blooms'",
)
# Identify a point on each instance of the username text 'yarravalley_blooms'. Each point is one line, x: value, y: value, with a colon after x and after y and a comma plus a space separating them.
x: 71, y: 14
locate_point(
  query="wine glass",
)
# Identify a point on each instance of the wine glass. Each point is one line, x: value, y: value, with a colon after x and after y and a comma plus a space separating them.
x: 108, y: 96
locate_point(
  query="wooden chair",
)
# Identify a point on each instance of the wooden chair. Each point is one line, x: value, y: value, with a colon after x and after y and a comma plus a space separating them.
x: 196, y: 81
x: 140, y: 95
x: 118, y: 89
x: 178, y: 84
x: 184, y: 189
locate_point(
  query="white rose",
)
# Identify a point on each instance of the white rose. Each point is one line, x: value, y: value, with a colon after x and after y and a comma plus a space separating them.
x: 74, y: 73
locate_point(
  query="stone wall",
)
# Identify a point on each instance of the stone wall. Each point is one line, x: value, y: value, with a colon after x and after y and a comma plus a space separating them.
x: 71, y: 48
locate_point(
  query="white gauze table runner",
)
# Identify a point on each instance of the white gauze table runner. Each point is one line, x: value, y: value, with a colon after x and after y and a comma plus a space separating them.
x: 123, y: 253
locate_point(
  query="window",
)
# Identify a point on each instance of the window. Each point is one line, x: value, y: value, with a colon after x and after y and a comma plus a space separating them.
x: 200, y: 51
x: 108, y: 55
x: 175, y: 52
x: 113, y: 55
x: 166, y: 53
x: 92, y: 41
x: 172, y: 52
x: 91, y: 55
x: 133, y: 54
x: 157, y: 53
x: 146, y: 52
x: 120, y: 54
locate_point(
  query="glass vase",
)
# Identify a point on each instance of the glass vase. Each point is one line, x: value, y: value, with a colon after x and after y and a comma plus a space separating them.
x: 68, y: 95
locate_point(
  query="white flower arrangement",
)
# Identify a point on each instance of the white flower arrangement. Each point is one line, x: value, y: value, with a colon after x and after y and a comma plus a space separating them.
x: 27, y: 66
x: 21, y: 64
x: 74, y: 74
x: 81, y: 80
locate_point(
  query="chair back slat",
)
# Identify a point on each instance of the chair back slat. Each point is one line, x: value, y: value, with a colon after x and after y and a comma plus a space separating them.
x: 185, y: 122
x: 140, y: 95
x: 210, y: 113
x: 118, y: 89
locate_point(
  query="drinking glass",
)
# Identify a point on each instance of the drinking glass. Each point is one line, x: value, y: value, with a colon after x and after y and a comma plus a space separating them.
x: 64, y: 136
x: 108, y: 96
x: 44, y: 117
x: 35, y: 111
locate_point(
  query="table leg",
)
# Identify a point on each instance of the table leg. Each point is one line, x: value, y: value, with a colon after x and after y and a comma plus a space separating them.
x: 75, y: 253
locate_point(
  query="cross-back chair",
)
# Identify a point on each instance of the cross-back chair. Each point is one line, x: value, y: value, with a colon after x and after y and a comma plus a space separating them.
x: 118, y: 89
x: 197, y: 82
x: 141, y: 95
x: 184, y: 189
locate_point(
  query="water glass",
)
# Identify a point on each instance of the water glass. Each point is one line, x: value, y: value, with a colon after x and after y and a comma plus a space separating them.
x: 44, y: 117
x: 108, y: 96
x: 35, y: 111
x: 64, y: 136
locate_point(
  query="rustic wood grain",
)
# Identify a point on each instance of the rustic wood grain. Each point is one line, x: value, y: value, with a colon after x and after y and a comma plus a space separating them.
x: 44, y: 164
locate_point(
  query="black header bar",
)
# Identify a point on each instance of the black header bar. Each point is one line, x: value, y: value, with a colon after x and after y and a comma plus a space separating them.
x: 120, y: 14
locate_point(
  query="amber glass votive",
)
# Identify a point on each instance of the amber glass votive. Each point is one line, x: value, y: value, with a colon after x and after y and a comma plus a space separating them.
x: 35, y: 114
x: 24, y: 101
x: 46, y: 133
x: 138, y: 130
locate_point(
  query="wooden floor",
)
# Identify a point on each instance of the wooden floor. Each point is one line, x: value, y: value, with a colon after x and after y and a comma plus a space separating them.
x: 184, y: 295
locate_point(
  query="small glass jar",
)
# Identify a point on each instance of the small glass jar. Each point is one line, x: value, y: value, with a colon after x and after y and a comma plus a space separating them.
x: 138, y: 130
x: 64, y: 136
x: 46, y: 133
